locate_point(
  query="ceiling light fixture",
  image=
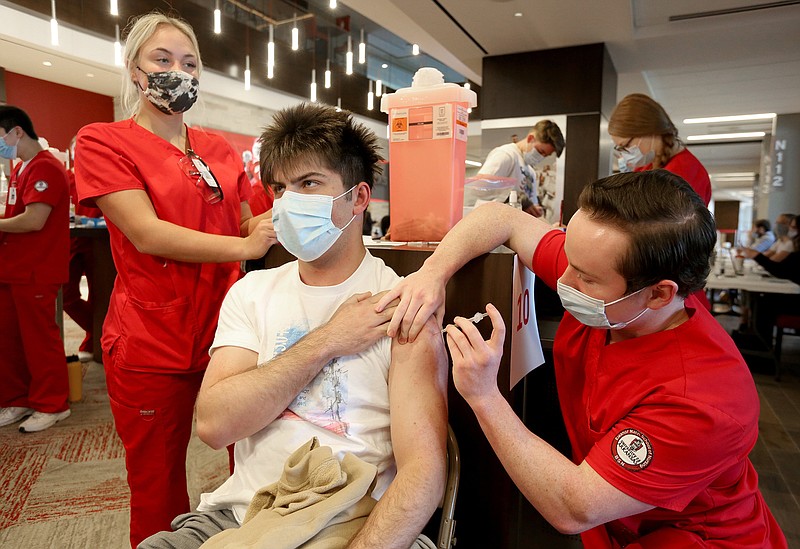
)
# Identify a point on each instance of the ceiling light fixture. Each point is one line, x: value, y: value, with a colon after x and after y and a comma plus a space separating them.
x: 415, y: 49
x: 362, y: 50
x: 734, y: 118
x: 117, y: 47
x: 518, y: 14
x: 53, y: 24
x: 313, y: 96
x: 378, y: 87
x: 370, y: 98
x: 338, y: 104
x: 271, y: 53
x: 327, y: 73
x: 295, y: 35
x: 332, y: 4
x: 466, y: 85
x: 473, y: 163
x: 47, y: 63
x: 247, y: 72
x: 217, y: 19
x: 90, y: 75
x: 113, y: 7
x: 720, y: 136
x: 349, y: 56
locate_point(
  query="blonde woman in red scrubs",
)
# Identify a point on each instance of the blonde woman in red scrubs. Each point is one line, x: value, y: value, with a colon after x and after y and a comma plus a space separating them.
x: 175, y: 201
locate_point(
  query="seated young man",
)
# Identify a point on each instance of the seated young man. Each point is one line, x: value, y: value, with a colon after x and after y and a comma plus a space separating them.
x: 300, y: 351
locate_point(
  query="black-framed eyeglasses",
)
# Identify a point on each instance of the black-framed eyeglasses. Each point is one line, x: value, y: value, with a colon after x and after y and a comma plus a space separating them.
x: 197, y: 170
x: 624, y: 148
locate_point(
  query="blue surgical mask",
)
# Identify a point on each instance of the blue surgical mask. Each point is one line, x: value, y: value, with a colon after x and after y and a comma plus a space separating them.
x: 6, y: 150
x: 303, y: 223
x: 633, y: 158
x: 590, y: 310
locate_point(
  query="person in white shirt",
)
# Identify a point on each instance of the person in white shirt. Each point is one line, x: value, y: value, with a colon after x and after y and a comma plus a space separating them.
x: 518, y: 160
x: 300, y: 351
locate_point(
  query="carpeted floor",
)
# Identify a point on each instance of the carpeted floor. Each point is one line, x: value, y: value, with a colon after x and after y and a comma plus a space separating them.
x: 65, y: 487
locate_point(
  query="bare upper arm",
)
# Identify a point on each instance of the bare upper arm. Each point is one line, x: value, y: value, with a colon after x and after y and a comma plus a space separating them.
x: 131, y: 211
x: 37, y: 213
x: 418, y: 396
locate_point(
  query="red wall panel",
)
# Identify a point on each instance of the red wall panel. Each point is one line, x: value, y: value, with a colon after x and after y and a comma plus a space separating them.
x: 57, y: 111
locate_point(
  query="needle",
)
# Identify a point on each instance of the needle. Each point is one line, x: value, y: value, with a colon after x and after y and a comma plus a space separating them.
x: 477, y: 317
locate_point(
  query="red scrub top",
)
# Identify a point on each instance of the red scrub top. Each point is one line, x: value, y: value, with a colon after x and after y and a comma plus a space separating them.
x: 80, y: 209
x: 163, y: 313
x: 37, y: 257
x: 687, y: 166
x: 668, y: 418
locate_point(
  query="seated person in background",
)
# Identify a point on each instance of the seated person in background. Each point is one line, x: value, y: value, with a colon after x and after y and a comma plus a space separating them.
x: 789, y: 266
x: 301, y: 352
x: 763, y: 237
x: 659, y: 405
x: 783, y: 244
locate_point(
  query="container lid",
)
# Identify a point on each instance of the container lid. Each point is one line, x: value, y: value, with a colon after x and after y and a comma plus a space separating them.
x: 428, y: 87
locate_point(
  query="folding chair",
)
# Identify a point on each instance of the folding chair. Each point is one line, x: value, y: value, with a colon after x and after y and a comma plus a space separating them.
x: 447, y: 526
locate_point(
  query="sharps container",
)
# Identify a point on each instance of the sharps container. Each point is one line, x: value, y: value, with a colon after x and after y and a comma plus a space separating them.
x: 427, y: 149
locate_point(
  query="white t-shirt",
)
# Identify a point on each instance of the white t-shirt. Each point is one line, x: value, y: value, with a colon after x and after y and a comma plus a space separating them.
x: 346, y: 406
x: 507, y: 161
x: 781, y: 245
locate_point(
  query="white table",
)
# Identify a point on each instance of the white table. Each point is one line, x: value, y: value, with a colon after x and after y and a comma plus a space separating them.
x: 752, y: 282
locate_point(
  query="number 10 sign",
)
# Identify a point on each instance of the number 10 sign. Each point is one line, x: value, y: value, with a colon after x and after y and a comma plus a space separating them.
x: 526, y: 348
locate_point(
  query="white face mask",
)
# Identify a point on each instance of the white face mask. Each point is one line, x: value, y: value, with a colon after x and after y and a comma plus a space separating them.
x: 630, y: 158
x: 592, y: 311
x: 533, y: 157
x: 303, y: 223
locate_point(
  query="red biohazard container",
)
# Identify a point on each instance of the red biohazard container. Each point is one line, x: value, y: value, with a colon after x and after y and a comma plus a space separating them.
x: 427, y: 150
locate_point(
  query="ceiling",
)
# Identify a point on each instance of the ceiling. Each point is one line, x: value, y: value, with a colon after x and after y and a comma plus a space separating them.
x: 743, y: 62
x: 736, y: 63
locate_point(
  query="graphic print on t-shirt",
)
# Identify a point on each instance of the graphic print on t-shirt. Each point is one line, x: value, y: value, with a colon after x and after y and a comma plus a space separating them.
x: 322, y: 402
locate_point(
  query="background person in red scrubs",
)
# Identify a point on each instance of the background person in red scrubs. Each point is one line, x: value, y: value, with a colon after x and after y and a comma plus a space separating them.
x: 646, y: 139
x: 34, y: 248
x: 80, y: 265
x: 175, y: 201
x: 659, y: 405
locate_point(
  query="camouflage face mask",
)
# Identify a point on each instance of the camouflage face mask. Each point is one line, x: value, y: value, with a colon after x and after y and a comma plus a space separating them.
x: 171, y: 92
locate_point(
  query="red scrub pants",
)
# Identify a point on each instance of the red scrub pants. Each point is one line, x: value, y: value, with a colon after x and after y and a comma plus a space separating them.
x: 33, y: 368
x: 80, y: 263
x: 153, y: 417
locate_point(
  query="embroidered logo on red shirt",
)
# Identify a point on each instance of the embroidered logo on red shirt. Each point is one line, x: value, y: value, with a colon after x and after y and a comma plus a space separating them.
x: 632, y: 450
x: 40, y: 186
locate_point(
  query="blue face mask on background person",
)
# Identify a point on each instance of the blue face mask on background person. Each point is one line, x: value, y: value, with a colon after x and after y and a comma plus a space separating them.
x: 633, y: 158
x: 171, y: 92
x: 590, y: 310
x: 6, y: 150
x: 303, y: 223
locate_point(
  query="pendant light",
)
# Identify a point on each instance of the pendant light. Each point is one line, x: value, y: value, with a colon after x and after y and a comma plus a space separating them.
x: 117, y: 47
x: 362, y: 50
x: 415, y: 49
x: 370, y: 98
x: 217, y: 19
x: 247, y: 72
x: 338, y: 107
x: 271, y: 53
x: 295, y: 35
x: 349, y: 56
x: 313, y: 96
x: 378, y: 87
x: 327, y: 73
x: 332, y: 4
x: 113, y: 8
x: 53, y: 24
